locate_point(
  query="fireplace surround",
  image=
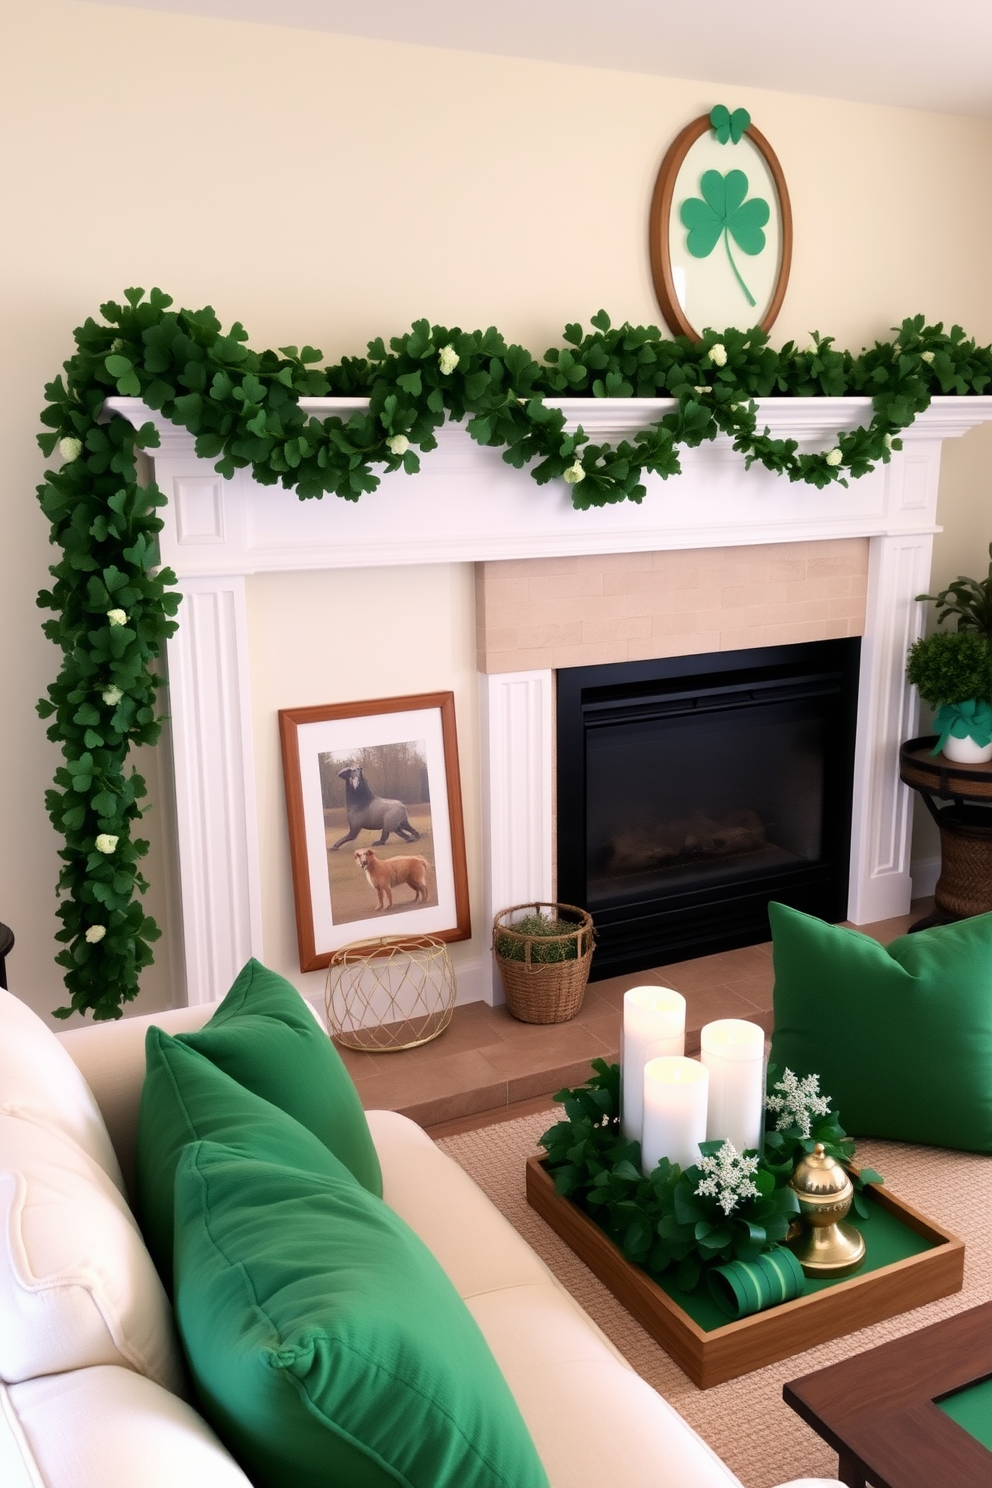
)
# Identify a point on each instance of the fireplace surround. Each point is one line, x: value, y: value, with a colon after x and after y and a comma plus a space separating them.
x: 467, y: 506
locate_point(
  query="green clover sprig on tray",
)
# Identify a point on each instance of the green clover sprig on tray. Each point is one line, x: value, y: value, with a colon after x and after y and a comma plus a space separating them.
x: 728, y: 1206
x: 114, y: 607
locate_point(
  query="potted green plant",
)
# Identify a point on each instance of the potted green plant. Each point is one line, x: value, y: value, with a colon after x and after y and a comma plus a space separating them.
x: 952, y: 669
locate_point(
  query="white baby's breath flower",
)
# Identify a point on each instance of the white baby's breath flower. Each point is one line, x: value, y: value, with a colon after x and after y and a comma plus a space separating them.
x: 702, y: 390
x: 926, y: 356
x: 96, y: 933
x: 896, y: 350
x: 117, y: 344
x: 729, y: 1178
x: 718, y: 354
x: 106, y: 842
x: 798, y: 1102
x: 887, y: 441
x: 70, y: 449
x: 398, y: 444
x: 111, y: 696
x: 447, y: 359
x: 834, y: 456
x: 117, y: 617
x: 575, y: 473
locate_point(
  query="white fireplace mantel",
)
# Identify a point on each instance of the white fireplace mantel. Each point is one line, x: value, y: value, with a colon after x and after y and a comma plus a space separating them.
x: 467, y: 505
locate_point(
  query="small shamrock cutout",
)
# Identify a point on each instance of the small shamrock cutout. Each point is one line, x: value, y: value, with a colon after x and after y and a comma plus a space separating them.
x: 723, y: 212
x: 727, y: 125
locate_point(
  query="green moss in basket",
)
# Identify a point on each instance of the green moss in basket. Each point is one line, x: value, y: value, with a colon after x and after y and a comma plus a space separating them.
x: 543, y: 950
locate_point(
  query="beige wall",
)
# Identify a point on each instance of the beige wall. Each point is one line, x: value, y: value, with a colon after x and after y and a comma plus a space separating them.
x: 331, y: 189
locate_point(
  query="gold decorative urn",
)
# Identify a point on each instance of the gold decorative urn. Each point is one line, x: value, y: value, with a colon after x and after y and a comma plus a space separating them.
x: 826, y: 1245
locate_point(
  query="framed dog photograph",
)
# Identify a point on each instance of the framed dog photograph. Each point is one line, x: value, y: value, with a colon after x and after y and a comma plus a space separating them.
x: 375, y: 822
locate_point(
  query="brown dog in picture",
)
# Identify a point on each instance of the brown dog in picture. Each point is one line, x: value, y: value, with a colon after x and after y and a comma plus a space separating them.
x: 385, y: 873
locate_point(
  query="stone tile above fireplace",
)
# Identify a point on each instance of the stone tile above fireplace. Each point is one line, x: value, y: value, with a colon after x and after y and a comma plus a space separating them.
x: 594, y: 609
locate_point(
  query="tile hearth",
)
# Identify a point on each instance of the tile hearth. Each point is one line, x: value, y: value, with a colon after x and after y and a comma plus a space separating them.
x: 486, y: 1064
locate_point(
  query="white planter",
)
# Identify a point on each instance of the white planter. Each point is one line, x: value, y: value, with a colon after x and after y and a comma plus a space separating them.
x: 966, y: 751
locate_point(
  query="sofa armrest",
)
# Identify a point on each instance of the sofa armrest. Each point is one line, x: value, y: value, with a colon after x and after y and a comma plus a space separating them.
x: 112, y: 1059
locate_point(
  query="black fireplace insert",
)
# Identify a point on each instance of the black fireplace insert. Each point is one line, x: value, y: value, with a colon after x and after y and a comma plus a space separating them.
x: 693, y: 790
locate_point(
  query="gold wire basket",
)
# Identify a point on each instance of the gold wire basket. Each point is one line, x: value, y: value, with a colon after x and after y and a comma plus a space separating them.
x: 391, y: 993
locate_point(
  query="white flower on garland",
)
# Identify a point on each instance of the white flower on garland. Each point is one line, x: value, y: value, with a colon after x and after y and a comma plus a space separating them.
x: 926, y: 356
x: 398, y: 444
x: 798, y: 1102
x: 106, y: 842
x: 70, y: 449
x: 117, y: 344
x: 834, y: 456
x: 729, y: 1178
x: 718, y: 354
x: 112, y: 696
x: 447, y: 359
x: 575, y: 473
x: 96, y: 933
x: 117, y: 617
x: 887, y: 441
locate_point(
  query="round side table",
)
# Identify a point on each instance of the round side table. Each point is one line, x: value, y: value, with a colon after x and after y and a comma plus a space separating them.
x: 964, y: 887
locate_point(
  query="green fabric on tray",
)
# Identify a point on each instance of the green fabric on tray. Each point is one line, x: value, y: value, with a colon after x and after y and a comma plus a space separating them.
x: 327, y: 1344
x: 900, y: 1035
x: 184, y: 1099
x: 264, y: 1036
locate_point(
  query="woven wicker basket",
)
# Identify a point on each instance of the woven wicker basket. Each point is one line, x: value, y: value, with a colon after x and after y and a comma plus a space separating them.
x: 544, y: 991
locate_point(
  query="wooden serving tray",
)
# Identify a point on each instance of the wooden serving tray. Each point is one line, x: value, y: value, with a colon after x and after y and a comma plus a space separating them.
x: 735, y: 1348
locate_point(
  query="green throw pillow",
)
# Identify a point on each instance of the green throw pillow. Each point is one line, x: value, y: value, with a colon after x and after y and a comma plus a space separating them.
x: 900, y: 1035
x: 326, y: 1342
x: 264, y: 1036
x: 186, y: 1098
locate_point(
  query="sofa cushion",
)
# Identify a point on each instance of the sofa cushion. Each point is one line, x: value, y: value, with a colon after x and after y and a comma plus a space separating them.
x: 900, y: 1035
x: 265, y: 1036
x: 326, y: 1342
x: 39, y: 1080
x: 186, y: 1098
x: 107, y: 1428
x: 77, y: 1286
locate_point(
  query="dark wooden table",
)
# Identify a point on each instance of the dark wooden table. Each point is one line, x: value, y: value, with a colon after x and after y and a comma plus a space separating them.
x: 877, y: 1409
x: 6, y: 945
x: 964, y: 887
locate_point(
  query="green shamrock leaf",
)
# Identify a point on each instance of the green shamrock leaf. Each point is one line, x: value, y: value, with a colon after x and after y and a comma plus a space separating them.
x: 727, y: 125
x: 724, y: 212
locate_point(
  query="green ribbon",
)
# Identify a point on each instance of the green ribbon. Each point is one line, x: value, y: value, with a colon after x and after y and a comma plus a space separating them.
x: 970, y: 720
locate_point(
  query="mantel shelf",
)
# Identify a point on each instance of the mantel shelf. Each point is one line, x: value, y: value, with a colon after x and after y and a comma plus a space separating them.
x: 468, y: 505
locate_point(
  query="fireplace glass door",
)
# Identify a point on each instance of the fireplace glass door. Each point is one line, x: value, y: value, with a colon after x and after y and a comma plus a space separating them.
x: 694, y: 790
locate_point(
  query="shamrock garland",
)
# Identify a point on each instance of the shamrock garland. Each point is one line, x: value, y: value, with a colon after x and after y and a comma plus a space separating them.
x: 113, y: 606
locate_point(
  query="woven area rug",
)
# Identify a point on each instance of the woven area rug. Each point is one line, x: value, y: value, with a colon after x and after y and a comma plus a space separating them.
x: 746, y: 1420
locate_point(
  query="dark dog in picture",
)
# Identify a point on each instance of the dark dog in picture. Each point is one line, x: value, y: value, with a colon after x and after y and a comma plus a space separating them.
x: 385, y: 873
x: 370, y: 813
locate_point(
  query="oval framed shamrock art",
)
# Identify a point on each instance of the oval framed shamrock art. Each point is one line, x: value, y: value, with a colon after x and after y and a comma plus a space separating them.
x: 721, y: 227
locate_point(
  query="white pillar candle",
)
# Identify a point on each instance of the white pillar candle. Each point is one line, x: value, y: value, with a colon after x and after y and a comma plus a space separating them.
x: 653, y: 1025
x: 675, y: 1101
x: 733, y: 1051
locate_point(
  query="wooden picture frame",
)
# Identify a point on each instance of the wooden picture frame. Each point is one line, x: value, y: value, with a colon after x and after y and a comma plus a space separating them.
x: 663, y: 204
x: 407, y: 791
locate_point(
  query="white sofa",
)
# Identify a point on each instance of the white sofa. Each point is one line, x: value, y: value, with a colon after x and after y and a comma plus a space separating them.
x: 92, y: 1391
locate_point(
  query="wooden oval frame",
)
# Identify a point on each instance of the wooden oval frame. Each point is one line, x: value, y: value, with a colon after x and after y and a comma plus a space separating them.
x: 661, y: 209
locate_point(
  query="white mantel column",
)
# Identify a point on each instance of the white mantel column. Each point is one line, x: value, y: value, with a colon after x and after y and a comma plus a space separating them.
x: 213, y: 755
x: 517, y: 719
